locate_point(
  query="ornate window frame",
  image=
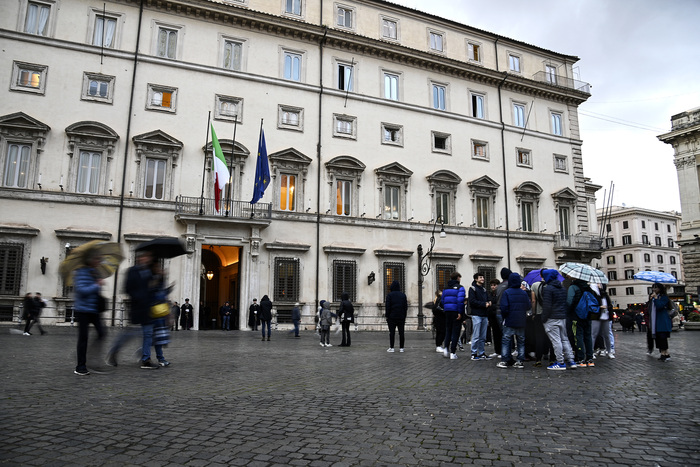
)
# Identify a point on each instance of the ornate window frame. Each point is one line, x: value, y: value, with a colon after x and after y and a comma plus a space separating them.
x: 90, y: 136
x: 393, y: 174
x: 157, y: 145
x: 444, y: 181
x: 345, y: 168
x: 293, y: 162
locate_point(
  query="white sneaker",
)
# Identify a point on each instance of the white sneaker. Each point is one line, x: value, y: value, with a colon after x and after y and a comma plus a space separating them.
x: 439, y: 349
x: 453, y: 356
x: 390, y: 350
x: 329, y: 345
x: 322, y: 344
x: 446, y: 353
x: 611, y: 356
x: 494, y: 355
x: 401, y: 350
x: 26, y: 334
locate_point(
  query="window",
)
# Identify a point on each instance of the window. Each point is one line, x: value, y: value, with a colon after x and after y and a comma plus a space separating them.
x: 286, y: 280
x: 154, y: 186
x: 482, y: 192
x: 98, y: 88
x: 629, y: 274
x: 391, y: 86
x: 232, y: 58
x: 660, y: 259
x: 674, y: 274
x: 442, y: 206
x: 612, y: 275
x: 343, y: 197
x: 228, y: 108
x: 556, y: 123
x: 560, y: 164
x: 166, y: 45
x: 36, y: 19
x: 519, y: 115
x: 612, y: 291
x: 565, y: 221
x: 608, y: 228
x: 474, y: 52
x: 479, y: 150
x: 292, y: 7
x: 292, y: 66
x: 442, y: 275
x: 345, y: 77
x: 390, y: 29
x: 344, y: 126
x: 629, y: 290
x: 526, y: 213
x: 489, y: 272
x: 439, y: 96
x: 668, y: 228
x: 477, y: 105
x: 482, y: 212
x: 647, y: 258
x: 436, y: 41
x: 290, y: 118
x: 441, y: 142
x: 29, y: 77
x: 161, y: 98
x: 344, y: 279
x: 17, y: 165
x: 88, y: 172
x: 10, y: 268
x: 523, y: 157
x: 550, y: 73
x: 104, y: 30
x: 625, y: 224
x: 670, y: 242
x: 287, y: 186
x: 392, y: 134
x: 611, y: 259
x: 656, y: 226
x: 657, y: 240
x: 628, y: 258
x: 393, y: 272
x: 344, y: 17
x: 392, y: 202
x: 609, y: 243
x: 645, y: 239
x: 626, y: 239
x: 644, y: 224
x: 672, y: 259
x: 514, y: 63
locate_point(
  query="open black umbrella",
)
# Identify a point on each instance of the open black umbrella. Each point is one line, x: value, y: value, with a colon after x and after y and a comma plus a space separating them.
x: 163, y: 247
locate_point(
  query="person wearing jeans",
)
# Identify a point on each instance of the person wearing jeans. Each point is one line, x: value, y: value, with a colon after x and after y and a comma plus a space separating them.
x: 515, y: 302
x: 553, y: 318
x: 87, y: 286
x: 265, y: 316
x: 453, y: 298
x: 479, y: 304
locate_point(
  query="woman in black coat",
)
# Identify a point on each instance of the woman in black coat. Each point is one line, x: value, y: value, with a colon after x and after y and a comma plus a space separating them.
x: 396, y: 310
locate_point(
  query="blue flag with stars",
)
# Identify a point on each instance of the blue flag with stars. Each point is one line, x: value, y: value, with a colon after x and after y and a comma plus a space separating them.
x: 262, y: 170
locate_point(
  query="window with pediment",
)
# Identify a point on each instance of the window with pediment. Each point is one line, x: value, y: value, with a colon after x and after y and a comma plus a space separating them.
x: 565, y: 208
x: 345, y: 176
x: 482, y: 192
x: 289, y: 169
x: 393, y: 183
x: 443, y: 189
x: 157, y: 155
x: 527, y: 198
x: 90, y: 148
x: 22, y: 140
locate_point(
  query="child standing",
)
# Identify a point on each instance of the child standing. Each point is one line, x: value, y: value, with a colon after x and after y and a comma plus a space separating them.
x: 326, y: 320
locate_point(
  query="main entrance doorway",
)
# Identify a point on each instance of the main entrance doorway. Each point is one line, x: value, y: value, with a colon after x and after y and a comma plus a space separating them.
x: 219, y: 283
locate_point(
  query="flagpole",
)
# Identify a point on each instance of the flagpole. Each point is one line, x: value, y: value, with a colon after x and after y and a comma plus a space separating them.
x: 230, y: 170
x: 204, y: 167
x: 252, y: 205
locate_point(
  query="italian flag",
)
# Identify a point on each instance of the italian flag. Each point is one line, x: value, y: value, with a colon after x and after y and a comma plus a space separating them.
x: 221, y: 174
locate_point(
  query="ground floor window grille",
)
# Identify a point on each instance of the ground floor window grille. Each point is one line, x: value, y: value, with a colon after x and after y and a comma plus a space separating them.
x: 394, y: 272
x: 286, y: 280
x: 10, y: 268
x: 344, y: 279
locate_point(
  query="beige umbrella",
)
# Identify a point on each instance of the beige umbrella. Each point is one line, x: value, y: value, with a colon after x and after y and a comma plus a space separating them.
x: 110, y: 254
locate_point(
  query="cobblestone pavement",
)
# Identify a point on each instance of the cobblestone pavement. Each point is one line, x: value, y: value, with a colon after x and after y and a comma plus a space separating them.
x: 230, y: 399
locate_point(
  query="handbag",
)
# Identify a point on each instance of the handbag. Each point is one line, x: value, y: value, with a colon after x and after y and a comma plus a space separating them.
x: 160, y: 310
x: 672, y: 309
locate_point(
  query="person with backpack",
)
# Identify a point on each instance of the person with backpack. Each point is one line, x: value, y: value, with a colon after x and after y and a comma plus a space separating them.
x: 659, y: 323
x: 515, y: 303
x: 601, y: 325
x: 553, y: 318
x: 347, y: 317
x: 581, y: 301
x: 543, y: 346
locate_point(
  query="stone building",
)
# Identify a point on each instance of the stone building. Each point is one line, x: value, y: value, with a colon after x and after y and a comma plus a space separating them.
x: 685, y: 139
x: 638, y: 239
x: 383, y: 125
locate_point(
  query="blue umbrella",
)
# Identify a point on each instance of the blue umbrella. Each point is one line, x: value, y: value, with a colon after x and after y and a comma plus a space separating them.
x: 534, y: 276
x: 656, y: 276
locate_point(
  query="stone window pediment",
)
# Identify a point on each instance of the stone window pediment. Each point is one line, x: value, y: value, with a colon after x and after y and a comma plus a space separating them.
x: 91, y: 135
x: 289, y: 159
x: 394, y: 172
x: 157, y: 142
x: 485, y: 185
x: 21, y: 125
x: 345, y: 166
x: 566, y: 195
x: 443, y: 180
x: 528, y: 191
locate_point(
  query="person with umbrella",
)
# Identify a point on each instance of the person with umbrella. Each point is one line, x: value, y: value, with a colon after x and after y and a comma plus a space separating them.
x: 581, y: 327
x: 659, y: 323
x: 87, y: 285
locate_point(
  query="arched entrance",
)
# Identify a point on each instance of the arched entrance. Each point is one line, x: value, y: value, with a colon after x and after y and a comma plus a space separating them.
x: 219, y: 283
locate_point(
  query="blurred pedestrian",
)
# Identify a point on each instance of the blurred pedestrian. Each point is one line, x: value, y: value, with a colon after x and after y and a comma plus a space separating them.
x: 346, y: 312
x: 296, y: 318
x: 265, y: 316
x: 175, y: 316
x: 28, y: 312
x: 396, y: 309
x: 86, y: 288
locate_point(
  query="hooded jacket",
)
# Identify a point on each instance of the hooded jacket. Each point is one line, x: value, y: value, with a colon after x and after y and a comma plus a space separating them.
x: 265, y: 309
x: 346, y: 310
x: 396, y: 303
x: 553, y: 296
x: 327, y: 316
x: 453, y: 297
x: 478, y: 296
x: 505, y: 274
x: 515, y: 303
x: 574, y: 294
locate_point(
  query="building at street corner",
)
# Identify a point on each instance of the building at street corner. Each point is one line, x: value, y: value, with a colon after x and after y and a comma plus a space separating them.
x: 638, y: 239
x: 383, y: 124
x: 685, y: 139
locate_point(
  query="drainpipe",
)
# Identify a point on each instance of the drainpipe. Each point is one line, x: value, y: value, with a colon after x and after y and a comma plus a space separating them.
x: 503, y: 157
x: 126, y: 155
x: 321, y: 44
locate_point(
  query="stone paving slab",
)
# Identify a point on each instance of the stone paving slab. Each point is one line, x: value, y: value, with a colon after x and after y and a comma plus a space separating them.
x: 230, y: 399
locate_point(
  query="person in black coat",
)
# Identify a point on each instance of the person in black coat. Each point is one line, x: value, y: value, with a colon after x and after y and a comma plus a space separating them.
x: 265, y: 316
x: 396, y: 311
x: 439, y: 322
x: 254, y: 315
x: 347, y: 317
x: 28, y: 312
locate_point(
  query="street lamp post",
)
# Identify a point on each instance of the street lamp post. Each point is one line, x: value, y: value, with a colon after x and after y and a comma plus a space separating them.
x: 424, y: 268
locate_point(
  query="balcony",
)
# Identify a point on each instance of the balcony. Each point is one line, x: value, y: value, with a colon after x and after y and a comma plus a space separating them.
x: 580, y: 248
x: 188, y: 205
x: 562, y: 81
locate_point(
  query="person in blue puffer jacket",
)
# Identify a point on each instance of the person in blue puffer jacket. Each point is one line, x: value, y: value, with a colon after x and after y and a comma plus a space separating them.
x: 86, y: 287
x: 453, y: 297
x: 515, y: 304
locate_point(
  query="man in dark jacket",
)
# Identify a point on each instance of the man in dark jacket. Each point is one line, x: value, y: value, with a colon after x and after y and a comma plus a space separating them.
x: 186, y: 315
x: 515, y: 302
x: 395, y: 310
x: 453, y: 298
x: 265, y: 316
x: 479, y: 303
x: 554, y: 310
x: 581, y: 327
x: 225, y: 313
x: 346, y: 313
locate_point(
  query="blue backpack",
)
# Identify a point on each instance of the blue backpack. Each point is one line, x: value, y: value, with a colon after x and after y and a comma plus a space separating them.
x: 587, y: 305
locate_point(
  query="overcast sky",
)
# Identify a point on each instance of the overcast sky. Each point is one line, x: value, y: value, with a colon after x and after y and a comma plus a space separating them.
x: 642, y: 59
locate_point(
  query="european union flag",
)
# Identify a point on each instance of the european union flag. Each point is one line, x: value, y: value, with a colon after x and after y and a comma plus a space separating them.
x: 262, y: 170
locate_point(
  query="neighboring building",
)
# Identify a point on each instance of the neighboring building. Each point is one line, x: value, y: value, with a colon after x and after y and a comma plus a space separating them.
x: 379, y: 119
x: 685, y: 139
x: 637, y: 240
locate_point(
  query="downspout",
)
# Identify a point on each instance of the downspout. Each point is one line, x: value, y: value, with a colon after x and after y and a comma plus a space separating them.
x: 321, y: 43
x: 126, y: 155
x: 503, y: 156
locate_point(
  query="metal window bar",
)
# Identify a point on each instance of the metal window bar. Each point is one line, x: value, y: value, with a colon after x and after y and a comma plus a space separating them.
x: 489, y: 273
x: 442, y: 275
x: 286, y: 279
x: 394, y: 272
x: 10, y: 268
x: 344, y: 279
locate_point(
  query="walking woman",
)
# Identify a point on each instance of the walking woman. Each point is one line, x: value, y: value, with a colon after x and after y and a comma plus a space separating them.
x: 659, y: 324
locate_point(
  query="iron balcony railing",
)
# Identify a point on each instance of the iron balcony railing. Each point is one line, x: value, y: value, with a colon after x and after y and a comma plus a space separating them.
x: 556, y: 80
x: 234, y: 209
x: 580, y: 241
